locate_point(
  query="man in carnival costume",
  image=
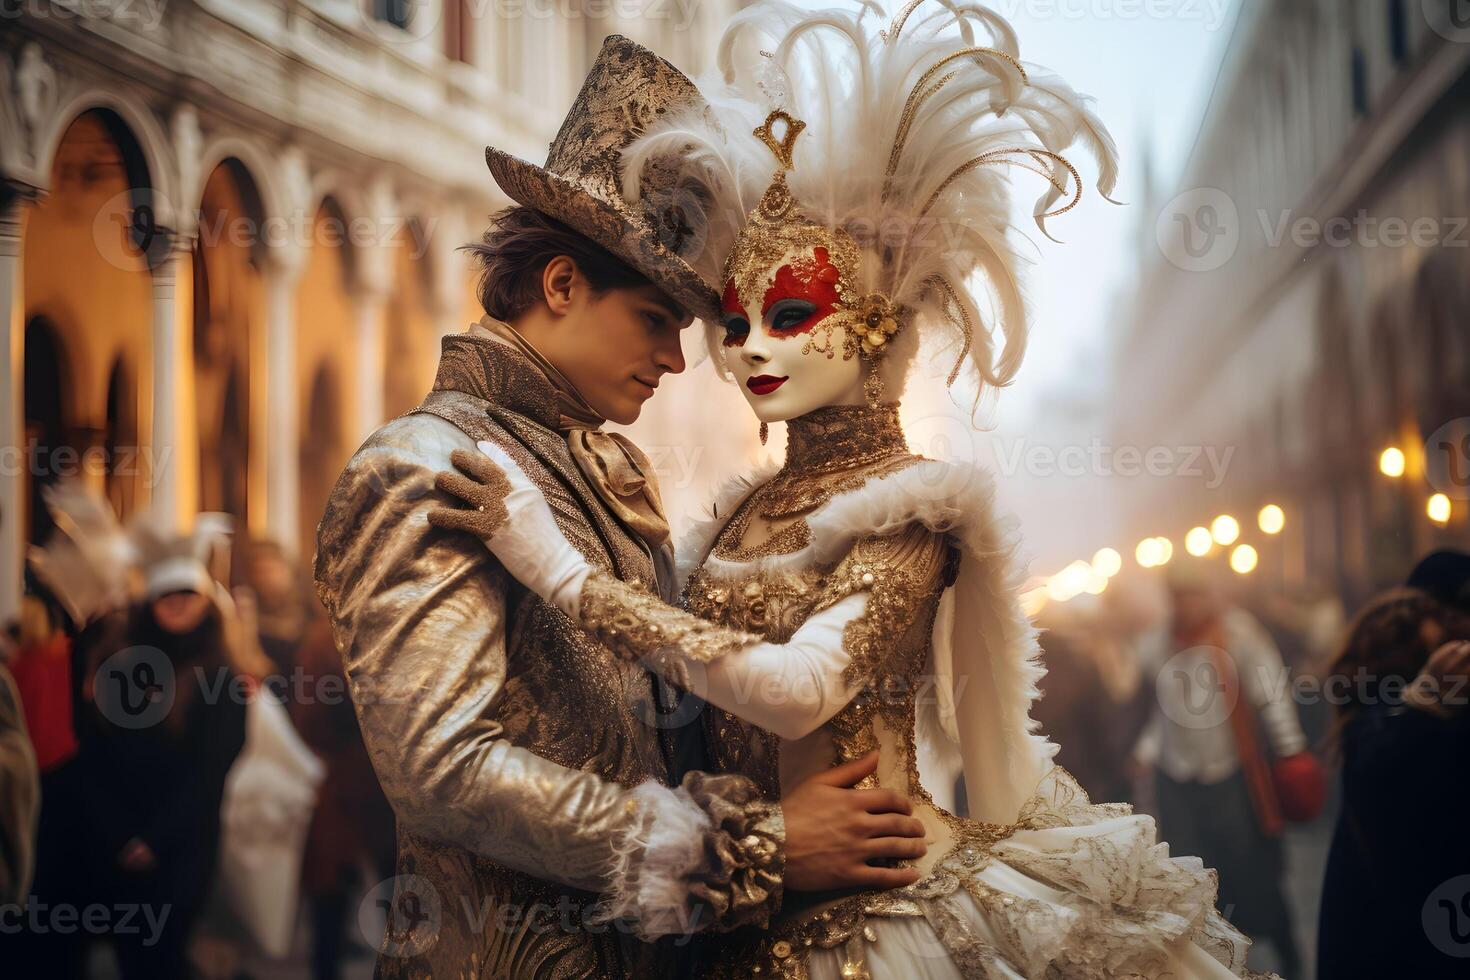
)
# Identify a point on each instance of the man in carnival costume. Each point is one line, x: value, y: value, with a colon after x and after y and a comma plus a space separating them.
x: 536, y: 791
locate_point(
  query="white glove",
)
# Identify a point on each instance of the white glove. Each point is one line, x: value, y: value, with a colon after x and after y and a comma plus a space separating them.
x: 510, y: 514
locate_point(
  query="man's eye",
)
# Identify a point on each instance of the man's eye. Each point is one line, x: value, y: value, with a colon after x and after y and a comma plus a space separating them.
x: 790, y: 313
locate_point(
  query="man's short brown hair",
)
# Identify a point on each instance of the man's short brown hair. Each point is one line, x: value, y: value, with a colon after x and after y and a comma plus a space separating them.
x: 516, y: 249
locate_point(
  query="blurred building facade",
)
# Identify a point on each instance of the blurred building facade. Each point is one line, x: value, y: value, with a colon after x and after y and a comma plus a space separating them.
x: 1302, y: 296
x: 228, y: 230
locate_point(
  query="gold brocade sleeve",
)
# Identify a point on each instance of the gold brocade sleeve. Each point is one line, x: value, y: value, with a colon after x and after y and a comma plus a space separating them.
x: 899, y: 571
x: 419, y: 614
x: 637, y: 625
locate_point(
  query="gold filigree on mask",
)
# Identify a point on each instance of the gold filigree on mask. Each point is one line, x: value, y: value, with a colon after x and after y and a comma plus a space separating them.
x: 777, y: 228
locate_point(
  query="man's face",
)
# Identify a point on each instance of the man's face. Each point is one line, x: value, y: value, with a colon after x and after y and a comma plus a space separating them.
x: 616, y: 346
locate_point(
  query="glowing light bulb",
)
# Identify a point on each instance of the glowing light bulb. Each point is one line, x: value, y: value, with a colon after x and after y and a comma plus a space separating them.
x: 1271, y: 519
x: 1107, y: 562
x: 1438, y: 508
x: 1243, y: 559
x: 1225, y: 529
x: 1391, y: 462
x: 1198, y: 541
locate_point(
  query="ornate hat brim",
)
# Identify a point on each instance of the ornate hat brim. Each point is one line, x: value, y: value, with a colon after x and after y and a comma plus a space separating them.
x: 615, y: 227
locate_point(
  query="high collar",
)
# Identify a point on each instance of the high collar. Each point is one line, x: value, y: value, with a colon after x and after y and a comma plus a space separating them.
x: 489, y: 369
x: 839, y: 437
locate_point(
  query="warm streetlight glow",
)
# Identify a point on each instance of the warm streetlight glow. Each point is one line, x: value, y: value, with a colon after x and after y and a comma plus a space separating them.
x: 1198, y: 541
x: 1271, y: 519
x: 1070, y: 582
x: 1148, y: 553
x: 1166, y: 549
x: 1243, y: 559
x: 1107, y: 562
x: 1391, y: 462
x: 1225, y: 529
x: 1438, y: 509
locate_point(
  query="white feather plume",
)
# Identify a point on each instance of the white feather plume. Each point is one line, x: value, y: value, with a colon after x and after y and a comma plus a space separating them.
x: 943, y: 78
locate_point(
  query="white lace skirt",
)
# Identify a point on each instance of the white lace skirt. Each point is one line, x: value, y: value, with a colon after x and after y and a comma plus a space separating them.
x: 1083, y: 891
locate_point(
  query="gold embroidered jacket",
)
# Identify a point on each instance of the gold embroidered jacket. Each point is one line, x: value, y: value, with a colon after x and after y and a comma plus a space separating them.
x: 520, y: 755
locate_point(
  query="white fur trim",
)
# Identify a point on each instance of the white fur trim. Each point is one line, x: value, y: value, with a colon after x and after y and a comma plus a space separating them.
x: 662, y: 848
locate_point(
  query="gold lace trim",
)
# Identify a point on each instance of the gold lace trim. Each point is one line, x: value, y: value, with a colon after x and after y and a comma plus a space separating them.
x: 783, y: 950
x: 638, y: 625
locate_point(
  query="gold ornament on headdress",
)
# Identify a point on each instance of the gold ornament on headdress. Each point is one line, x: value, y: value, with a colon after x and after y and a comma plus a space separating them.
x: 777, y: 226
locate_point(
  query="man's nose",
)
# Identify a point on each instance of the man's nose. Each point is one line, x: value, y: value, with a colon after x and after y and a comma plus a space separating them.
x: 670, y: 357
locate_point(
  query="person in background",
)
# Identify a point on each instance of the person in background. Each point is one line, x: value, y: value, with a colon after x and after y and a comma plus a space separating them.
x: 352, y: 827
x: 78, y: 576
x: 163, y: 723
x: 1397, y: 883
x: 20, y: 794
x: 1217, y: 677
x: 1078, y: 708
x: 280, y: 598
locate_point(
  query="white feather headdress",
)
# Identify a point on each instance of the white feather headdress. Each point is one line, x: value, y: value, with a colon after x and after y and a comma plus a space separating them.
x: 909, y: 132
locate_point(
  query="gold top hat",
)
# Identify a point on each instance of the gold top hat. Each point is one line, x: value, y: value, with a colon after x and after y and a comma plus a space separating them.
x: 628, y: 88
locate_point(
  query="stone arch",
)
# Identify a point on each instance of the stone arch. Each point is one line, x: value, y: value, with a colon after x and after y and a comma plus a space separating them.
x: 251, y: 164
x: 138, y: 132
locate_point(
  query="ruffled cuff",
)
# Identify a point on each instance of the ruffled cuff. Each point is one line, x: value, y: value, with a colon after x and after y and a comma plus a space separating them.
x: 740, y: 879
x: 707, y: 855
x: 637, y: 625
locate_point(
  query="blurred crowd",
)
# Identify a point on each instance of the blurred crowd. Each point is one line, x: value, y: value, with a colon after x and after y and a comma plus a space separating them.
x: 183, y: 780
x: 1233, y: 715
x: 176, y: 740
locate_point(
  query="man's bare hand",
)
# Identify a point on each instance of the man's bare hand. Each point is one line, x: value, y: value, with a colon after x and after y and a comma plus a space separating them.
x: 833, y: 831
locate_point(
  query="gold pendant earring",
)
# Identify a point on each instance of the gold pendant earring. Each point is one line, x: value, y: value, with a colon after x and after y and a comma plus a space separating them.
x: 765, y: 431
x: 873, y: 385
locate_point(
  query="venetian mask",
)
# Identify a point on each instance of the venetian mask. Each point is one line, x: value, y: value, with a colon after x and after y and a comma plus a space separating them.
x: 798, y: 332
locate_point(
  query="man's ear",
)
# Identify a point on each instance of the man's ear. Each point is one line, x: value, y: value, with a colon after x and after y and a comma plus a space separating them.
x: 558, y: 280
